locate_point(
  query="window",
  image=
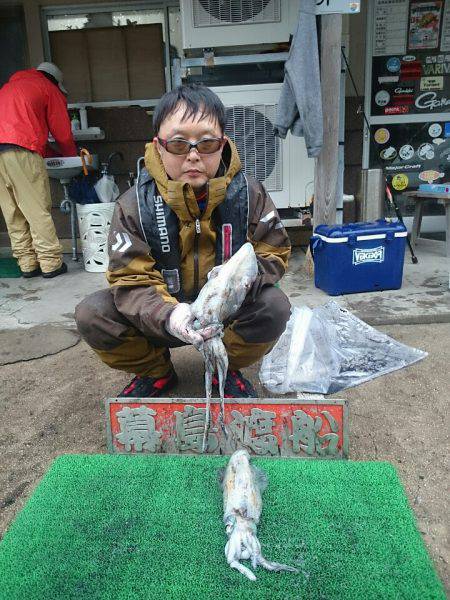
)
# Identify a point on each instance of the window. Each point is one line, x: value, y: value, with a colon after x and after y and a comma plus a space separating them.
x: 109, y: 55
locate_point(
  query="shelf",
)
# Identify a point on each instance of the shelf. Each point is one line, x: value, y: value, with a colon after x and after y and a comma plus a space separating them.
x: 91, y: 133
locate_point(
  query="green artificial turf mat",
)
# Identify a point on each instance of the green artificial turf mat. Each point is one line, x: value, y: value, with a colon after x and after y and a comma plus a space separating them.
x: 9, y: 268
x: 144, y: 527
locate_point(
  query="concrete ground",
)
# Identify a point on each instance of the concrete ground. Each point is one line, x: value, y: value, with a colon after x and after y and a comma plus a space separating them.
x: 423, y: 298
x: 53, y: 385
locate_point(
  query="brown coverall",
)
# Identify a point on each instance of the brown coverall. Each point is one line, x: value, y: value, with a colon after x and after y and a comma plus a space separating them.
x: 125, y: 324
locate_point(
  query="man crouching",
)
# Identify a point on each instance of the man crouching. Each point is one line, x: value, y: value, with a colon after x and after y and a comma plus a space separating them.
x: 191, y: 209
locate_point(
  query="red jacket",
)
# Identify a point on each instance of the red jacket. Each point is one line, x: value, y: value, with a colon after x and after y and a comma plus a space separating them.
x: 30, y: 106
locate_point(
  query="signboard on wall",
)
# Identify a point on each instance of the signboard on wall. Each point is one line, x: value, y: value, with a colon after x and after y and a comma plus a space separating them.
x: 410, y: 90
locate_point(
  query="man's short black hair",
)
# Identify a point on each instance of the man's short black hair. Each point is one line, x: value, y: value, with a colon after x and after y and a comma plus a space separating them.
x: 197, y: 98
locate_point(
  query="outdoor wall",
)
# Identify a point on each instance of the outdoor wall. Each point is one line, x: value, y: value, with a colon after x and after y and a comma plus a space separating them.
x: 352, y: 151
x: 355, y: 25
x: 128, y: 129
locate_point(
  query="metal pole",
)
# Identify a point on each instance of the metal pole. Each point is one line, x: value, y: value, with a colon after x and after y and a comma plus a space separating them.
x: 68, y: 206
x: 73, y: 227
x: 176, y: 72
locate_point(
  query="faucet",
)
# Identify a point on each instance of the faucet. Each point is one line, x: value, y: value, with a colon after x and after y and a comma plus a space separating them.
x: 107, y: 165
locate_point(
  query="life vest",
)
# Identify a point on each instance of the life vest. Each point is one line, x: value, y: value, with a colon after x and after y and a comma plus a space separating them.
x: 160, y: 226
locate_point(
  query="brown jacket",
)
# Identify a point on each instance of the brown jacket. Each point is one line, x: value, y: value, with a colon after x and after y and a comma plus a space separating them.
x: 139, y: 289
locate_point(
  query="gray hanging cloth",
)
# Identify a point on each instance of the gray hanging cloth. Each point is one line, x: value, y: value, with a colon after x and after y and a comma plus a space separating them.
x: 300, y: 105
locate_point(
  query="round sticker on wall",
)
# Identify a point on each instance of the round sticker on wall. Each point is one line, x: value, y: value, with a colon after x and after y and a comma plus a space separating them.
x: 406, y: 152
x: 393, y: 64
x: 426, y: 151
x: 382, y: 98
x: 400, y: 181
x: 435, y: 130
x: 430, y: 176
x: 382, y: 135
x: 388, y: 153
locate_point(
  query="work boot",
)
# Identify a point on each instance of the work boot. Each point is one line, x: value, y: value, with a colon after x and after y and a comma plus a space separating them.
x: 34, y: 273
x: 149, y: 387
x: 236, y: 386
x: 59, y: 271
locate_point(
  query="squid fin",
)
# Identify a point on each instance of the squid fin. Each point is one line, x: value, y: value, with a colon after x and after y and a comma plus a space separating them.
x: 221, y: 476
x: 261, y: 478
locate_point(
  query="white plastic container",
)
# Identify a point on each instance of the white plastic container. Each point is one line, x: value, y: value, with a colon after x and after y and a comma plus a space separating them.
x: 94, y: 221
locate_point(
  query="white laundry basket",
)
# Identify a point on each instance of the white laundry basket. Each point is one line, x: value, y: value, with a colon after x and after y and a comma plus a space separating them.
x: 93, y: 222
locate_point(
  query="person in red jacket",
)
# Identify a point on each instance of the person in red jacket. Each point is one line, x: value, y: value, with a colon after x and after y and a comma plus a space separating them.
x: 32, y: 104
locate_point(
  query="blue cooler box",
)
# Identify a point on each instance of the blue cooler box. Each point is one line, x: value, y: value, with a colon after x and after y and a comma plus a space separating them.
x: 358, y: 257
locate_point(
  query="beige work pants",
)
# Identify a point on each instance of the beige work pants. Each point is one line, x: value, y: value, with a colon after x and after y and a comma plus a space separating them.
x: 26, y: 203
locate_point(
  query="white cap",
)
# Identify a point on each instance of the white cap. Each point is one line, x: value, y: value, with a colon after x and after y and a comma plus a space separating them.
x: 53, y: 70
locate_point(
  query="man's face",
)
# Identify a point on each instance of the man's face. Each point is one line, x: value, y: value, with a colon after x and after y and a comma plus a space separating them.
x: 193, y: 168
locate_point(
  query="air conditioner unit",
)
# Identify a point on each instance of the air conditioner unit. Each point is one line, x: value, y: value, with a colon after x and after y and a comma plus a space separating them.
x: 281, y: 165
x: 214, y: 23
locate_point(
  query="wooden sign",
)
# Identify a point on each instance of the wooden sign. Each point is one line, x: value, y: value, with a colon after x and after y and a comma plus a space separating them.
x: 266, y: 427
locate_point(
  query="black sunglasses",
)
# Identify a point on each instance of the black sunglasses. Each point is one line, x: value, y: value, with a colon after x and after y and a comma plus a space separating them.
x: 179, y: 146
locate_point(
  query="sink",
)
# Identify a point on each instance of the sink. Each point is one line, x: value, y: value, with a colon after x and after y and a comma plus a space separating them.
x: 66, y: 167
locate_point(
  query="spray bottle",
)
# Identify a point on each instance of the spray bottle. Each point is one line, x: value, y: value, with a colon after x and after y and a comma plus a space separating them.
x: 75, y: 122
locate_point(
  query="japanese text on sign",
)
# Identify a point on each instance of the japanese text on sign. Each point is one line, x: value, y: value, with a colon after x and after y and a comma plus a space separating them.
x: 269, y: 428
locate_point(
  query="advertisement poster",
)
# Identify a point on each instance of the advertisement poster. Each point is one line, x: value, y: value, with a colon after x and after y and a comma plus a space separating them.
x: 415, y: 80
x: 445, y: 37
x: 416, y: 83
x: 411, y: 76
x: 412, y: 153
x: 424, y: 25
x: 391, y: 26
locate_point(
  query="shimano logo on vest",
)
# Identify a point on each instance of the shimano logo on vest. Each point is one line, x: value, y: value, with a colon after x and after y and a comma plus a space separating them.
x: 161, y: 223
x: 368, y: 255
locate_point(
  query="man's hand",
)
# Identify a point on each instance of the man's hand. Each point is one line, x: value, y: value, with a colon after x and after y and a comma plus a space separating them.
x: 180, y: 325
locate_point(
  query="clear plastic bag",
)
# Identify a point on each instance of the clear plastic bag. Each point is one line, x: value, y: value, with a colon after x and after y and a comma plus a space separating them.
x: 106, y: 189
x: 328, y: 349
